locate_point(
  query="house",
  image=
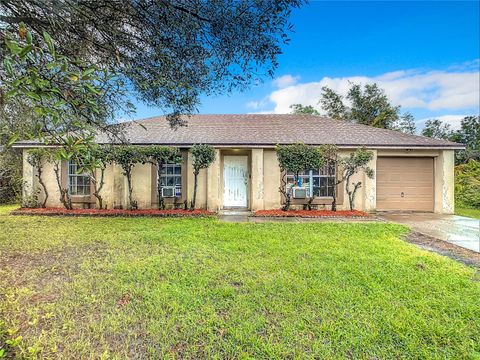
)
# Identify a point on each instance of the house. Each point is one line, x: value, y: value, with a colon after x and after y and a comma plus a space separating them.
x: 412, y: 173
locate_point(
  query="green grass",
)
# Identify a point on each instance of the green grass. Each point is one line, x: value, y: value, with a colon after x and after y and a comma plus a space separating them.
x: 464, y: 211
x: 199, y: 288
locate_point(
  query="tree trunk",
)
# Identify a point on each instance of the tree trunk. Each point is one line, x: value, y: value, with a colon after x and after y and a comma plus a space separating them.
x: 351, y: 194
x: 64, y: 195
x: 194, y: 200
x: 45, y: 191
x: 96, y: 193
x: 161, y: 200
x: 334, y: 197
x: 131, y: 203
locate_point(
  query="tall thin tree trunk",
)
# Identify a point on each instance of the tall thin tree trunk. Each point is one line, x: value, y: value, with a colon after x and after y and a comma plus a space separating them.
x: 161, y: 200
x: 98, y: 187
x: 194, y: 200
x: 64, y: 195
x: 45, y: 191
x: 131, y: 204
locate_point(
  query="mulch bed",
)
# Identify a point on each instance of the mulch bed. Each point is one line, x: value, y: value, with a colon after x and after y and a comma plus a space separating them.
x: 112, y: 212
x: 311, y: 213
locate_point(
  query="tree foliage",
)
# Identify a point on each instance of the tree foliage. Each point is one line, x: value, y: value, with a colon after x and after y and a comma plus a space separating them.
x: 333, y: 104
x: 297, y: 158
x: 468, y: 134
x: 160, y: 155
x: 301, y: 109
x: 367, y: 105
x: 169, y: 51
x: 405, y: 123
x: 467, y: 184
x: 436, y: 129
x: 64, y: 95
x: 203, y: 157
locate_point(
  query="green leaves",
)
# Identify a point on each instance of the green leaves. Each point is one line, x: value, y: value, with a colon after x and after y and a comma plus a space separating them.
x: 49, y: 42
x: 299, y: 157
x: 64, y: 94
x: 203, y: 156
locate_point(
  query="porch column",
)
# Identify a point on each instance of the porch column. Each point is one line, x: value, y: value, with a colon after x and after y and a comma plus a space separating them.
x: 213, y: 183
x: 257, y: 192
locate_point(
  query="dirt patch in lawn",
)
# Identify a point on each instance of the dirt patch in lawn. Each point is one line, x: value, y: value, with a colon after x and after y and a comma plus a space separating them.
x: 113, y: 212
x: 458, y: 253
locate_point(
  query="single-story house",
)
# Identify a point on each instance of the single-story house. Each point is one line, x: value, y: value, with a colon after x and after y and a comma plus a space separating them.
x: 412, y: 173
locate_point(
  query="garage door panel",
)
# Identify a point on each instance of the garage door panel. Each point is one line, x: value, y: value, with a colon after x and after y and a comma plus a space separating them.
x: 411, y: 176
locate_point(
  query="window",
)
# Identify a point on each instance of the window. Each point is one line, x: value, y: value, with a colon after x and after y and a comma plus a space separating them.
x: 78, y: 184
x: 171, y: 180
x: 319, y: 182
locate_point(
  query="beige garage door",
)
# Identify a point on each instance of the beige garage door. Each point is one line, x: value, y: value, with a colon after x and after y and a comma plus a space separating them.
x: 405, y: 183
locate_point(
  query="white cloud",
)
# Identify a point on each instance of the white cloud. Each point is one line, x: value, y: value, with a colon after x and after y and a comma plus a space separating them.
x: 285, y: 81
x: 456, y: 89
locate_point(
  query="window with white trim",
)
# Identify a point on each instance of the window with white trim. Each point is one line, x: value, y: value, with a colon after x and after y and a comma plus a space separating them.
x: 319, y: 182
x: 171, y: 180
x: 78, y: 183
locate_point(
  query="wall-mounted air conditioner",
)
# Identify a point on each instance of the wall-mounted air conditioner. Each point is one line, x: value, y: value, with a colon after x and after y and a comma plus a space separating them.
x: 168, y: 192
x: 300, y: 192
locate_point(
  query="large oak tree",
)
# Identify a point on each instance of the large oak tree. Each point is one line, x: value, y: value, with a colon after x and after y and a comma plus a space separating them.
x: 169, y: 51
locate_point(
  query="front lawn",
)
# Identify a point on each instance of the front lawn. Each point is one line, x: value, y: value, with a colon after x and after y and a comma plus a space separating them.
x: 200, y: 288
x: 464, y: 211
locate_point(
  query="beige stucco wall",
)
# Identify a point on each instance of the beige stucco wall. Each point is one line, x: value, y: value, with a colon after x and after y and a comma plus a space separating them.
x: 271, y: 180
x: 264, y: 182
x: 445, y: 182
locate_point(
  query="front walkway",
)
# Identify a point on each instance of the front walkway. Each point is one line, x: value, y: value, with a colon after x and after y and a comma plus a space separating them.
x: 457, y: 230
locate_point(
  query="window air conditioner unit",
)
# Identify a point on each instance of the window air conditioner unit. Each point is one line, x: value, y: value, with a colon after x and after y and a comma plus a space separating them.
x: 168, y: 192
x: 300, y: 192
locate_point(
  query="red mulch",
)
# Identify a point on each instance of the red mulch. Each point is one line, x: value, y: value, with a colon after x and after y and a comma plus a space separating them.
x: 309, y: 213
x: 112, y: 212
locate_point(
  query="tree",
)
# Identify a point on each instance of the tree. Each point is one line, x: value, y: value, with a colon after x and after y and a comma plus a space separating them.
x: 127, y: 156
x: 37, y: 158
x: 203, y: 157
x: 169, y: 51
x: 95, y: 158
x: 405, y: 124
x: 301, y: 109
x: 333, y: 104
x: 65, y: 96
x: 435, y: 129
x: 296, y: 158
x: 355, y: 162
x: 369, y: 105
x: 161, y: 155
x: 467, y: 184
x: 468, y: 134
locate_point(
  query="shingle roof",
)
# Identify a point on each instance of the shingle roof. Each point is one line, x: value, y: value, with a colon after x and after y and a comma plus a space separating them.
x: 269, y: 130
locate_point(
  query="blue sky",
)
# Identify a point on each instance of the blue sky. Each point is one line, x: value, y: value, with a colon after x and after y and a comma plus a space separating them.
x: 425, y: 55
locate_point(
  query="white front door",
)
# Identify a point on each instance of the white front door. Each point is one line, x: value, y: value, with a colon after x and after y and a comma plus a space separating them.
x: 235, y: 177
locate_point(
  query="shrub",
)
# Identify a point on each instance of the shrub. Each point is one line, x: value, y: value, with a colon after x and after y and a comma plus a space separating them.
x: 467, y: 184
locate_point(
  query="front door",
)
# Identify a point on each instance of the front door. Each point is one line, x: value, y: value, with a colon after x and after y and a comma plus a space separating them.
x: 235, y: 177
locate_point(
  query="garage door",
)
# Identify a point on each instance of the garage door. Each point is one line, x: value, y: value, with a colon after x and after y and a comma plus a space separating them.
x: 405, y: 183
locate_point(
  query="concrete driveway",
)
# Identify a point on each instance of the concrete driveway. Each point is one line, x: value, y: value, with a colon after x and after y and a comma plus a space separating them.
x: 457, y: 230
